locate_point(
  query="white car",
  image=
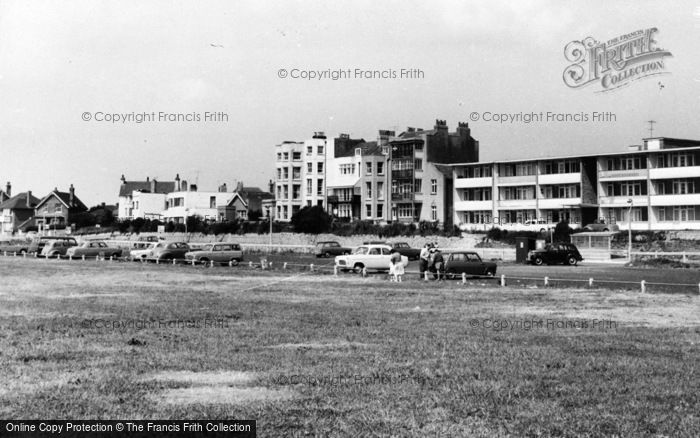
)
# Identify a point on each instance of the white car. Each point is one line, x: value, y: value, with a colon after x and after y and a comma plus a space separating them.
x: 143, y: 252
x: 372, y: 257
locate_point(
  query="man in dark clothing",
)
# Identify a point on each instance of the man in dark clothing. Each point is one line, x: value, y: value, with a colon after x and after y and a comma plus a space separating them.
x: 438, y: 265
x: 424, y: 258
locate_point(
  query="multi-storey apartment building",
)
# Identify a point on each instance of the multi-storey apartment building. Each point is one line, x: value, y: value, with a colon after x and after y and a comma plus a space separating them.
x: 420, y: 180
x: 357, y: 178
x: 655, y: 183
x: 300, y: 175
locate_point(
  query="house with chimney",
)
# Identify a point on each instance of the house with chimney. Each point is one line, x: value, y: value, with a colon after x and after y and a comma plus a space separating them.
x: 56, y: 209
x: 17, y: 212
x: 188, y: 201
x: 247, y: 203
x: 145, y: 199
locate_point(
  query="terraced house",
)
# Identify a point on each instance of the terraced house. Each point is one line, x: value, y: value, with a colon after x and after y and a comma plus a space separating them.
x: 652, y: 186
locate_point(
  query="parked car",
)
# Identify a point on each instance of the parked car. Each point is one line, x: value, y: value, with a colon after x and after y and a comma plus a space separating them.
x: 330, y: 248
x: 405, y: 250
x: 14, y: 246
x: 555, y: 253
x: 169, y: 251
x: 37, y: 245
x: 469, y: 263
x: 149, y: 239
x: 601, y: 225
x: 143, y: 252
x: 94, y: 248
x: 57, y: 247
x: 372, y: 257
x: 217, y: 253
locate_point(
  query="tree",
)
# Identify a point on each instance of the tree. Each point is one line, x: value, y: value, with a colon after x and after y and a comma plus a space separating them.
x: 313, y: 220
x: 562, y: 232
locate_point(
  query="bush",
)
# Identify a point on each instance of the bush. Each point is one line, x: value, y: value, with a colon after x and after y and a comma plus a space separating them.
x: 312, y: 220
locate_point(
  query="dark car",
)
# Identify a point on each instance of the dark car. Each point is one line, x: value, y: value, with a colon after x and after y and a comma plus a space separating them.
x: 169, y: 251
x: 556, y: 253
x: 469, y: 263
x: 405, y: 250
x: 14, y: 246
x: 601, y: 225
x: 38, y: 244
x: 330, y: 248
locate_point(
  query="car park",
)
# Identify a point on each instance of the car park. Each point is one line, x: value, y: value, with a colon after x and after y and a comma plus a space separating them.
x: 94, y: 248
x: 37, y: 245
x: 468, y: 263
x: 556, y: 253
x: 217, y: 253
x: 371, y: 257
x: 168, y: 251
x: 330, y: 248
x: 57, y: 247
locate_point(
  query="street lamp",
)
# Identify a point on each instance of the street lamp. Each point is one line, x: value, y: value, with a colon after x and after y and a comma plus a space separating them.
x: 269, y: 218
x: 187, y: 210
x: 629, y: 230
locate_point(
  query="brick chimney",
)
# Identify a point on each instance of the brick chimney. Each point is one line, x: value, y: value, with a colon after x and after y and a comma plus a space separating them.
x: 71, y: 190
x: 8, y: 189
x: 271, y: 186
x: 123, y: 179
x: 239, y: 186
x: 153, y: 185
x: 177, y: 182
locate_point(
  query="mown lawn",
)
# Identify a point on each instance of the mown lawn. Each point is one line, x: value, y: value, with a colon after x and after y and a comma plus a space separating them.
x: 311, y: 354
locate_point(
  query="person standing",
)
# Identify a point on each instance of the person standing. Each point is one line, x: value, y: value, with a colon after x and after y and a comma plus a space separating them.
x: 423, y: 262
x: 438, y: 263
x: 396, y: 266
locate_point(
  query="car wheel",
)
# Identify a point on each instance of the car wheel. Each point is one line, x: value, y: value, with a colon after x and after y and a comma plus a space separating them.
x: 358, y: 268
x: 115, y: 255
x: 327, y: 255
x: 234, y: 262
x: 204, y: 260
x: 605, y: 229
x: 572, y: 260
x: 55, y: 254
x: 539, y: 261
x: 450, y: 274
x: 23, y: 251
x: 346, y: 252
x: 542, y: 230
x: 490, y: 273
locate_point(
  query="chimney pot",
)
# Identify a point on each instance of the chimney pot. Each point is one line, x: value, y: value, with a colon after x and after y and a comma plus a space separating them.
x: 8, y: 189
x: 29, y: 198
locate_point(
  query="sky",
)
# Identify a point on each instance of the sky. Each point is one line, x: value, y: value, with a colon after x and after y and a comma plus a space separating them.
x: 65, y: 67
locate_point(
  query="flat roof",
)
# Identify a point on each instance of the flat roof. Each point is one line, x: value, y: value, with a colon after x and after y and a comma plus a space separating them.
x: 569, y: 157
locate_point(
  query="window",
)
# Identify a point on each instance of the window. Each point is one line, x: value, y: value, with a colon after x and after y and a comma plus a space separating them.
x: 405, y: 211
x: 319, y: 187
x: 284, y: 212
x: 347, y: 169
x: 285, y: 174
x: 296, y: 156
x: 296, y: 173
x: 279, y: 156
x: 279, y: 173
x: 433, y: 212
x: 369, y: 190
x: 380, y: 211
x: 418, y: 164
x: 296, y: 191
x: 286, y: 156
x: 380, y: 189
x: 212, y: 202
x: 319, y: 167
x: 369, y: 168
x: 309, y: 186
x: 309, y: 150
x: 418, y: 185
x: 320, y: 150
x: 433, y: 186
x: 368, y: 210
x: 279, y: 195
x: 380, y: 168
x: 309, y: 167
x: 286, y: 194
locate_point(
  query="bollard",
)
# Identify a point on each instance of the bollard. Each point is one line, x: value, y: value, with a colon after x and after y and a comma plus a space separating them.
x: 158, y: 261
x: 425, y: 275
x: 250, y: 264
x: 83, y: 257
x: 364, y: 271
x: 70, y: 257
x: 590, y: 282
x: 14, y: 254
x: 269, y: 265
x: 97, y: 258
x: 24, y: 254
x: 173, y: 261
x: 546, y: 281
x: 335, y: 270
x: 284, y: 266
x: 464, y: 278
x: 5, y: 253
x: 685, y: 259
x: 110, y: 258
x: 212, y: 264
x: 503, y: 280
x: 36, y: 254
x: 311, y: 267
x: 644, y: 286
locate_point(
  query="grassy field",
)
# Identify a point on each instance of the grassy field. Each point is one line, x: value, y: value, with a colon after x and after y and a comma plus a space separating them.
x: 314, y: 355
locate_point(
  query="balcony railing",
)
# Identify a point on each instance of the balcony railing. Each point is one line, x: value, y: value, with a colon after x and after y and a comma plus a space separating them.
x: 404, y: 173
x: 402, y: 196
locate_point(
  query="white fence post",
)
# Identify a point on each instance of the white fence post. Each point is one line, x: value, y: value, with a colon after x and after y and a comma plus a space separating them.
x: 546, y: 281
x: 644, y: 286
x: 311, y: 267
x: 503, y: 280
x: 284, y: 266
x: 464, y: 278
x: 425, y: 275
x: 335, y: 270
x: 590, y: 282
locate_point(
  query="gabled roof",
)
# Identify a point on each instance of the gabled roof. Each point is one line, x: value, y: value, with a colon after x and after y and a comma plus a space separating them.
x: 237, y: 195
x: 64, y: 197
x: 145, y: 186
x: 248, y: 193
x: 19, y: 201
